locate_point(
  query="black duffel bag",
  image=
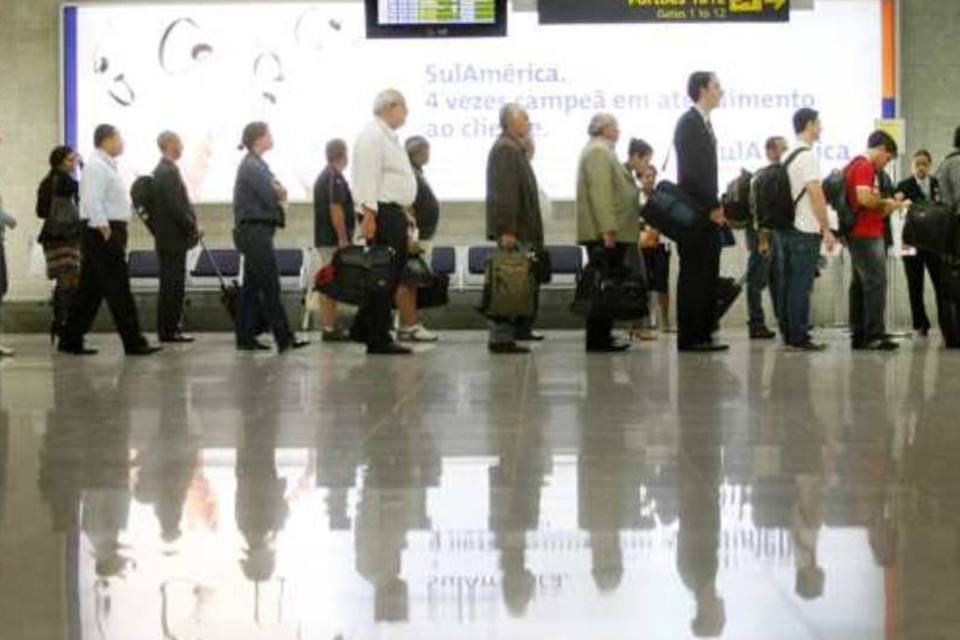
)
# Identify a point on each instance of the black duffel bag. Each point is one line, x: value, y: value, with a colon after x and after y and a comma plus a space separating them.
x: 931, y: 226
x: 670, y: 211
x: 360, y: 272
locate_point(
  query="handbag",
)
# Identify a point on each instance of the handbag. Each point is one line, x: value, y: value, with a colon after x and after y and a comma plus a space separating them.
x: 542, y: 265
x: 618, y: 293
x: 434, y: 294
x: 416, y: 271
x: 360, y: 272
x: 670, y: 211
x: 63, y: 221
x: 510, y: 285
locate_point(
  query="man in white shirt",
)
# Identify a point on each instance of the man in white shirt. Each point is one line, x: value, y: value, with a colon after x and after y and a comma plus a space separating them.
x: 105, y: 211
x: 799, y: 247
x: 385, y: 188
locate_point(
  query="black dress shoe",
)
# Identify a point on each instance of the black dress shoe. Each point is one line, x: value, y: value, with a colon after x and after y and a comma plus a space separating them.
x: 77, y: 351
x: 143, y: 350
x: 704, y: 347
x: 531, y: 337
x: 389, y: 349
x: 293, y: 344
x: 761, y: 332
x: 178, y: 338
x: 610, y: 347
x: 507, y: 348
x: 252, y: 346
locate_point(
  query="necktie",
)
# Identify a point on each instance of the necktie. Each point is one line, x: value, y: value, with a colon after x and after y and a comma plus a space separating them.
x: 713, y: 137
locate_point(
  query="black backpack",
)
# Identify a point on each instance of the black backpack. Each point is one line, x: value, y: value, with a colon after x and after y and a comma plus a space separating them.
x: 142, y: 197
x: 736, y: 200
x: 772, y: 196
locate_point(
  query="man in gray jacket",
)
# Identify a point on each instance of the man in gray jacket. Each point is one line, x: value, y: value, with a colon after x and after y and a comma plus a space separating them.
x: 513, y: 213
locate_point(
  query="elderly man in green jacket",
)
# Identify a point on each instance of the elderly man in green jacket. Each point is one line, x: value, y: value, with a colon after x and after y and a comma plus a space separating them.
x: 608, y: 209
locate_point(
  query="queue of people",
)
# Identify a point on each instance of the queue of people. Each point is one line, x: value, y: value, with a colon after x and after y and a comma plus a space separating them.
x: 392, y: 205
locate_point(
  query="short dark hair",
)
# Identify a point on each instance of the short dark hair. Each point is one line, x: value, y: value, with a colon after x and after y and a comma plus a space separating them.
x: 772, y: 141
x: 883, y: 139
x: 253, y: 132
x: 699, y: 80
x: 103, y: 133
x: 803, y: 117
x: 58, y: 155
x: 336, y: 150
x: 956, y: 138
x: 923, y: 153
x: 639, y: 147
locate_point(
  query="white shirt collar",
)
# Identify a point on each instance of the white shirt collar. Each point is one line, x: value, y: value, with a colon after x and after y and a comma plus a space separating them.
x: 703, y: 112
x: 387, y: 130
x: 107, y: 158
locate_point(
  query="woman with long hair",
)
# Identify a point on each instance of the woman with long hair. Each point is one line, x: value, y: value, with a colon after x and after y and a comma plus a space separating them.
x: 61, y: 242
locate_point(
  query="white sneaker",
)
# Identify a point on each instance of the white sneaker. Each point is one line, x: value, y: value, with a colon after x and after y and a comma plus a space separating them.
x: 5, y: 352
x: 416, y: 333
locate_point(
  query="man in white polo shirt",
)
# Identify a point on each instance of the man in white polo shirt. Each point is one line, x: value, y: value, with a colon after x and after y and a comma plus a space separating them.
x: 105, y: 210
x: 799, y: 247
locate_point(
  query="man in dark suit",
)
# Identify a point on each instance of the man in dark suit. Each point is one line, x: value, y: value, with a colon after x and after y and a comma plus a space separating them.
x: 175, y: 232
x: 513, y: 213
x: 921, y: 187
x: 697, y: 177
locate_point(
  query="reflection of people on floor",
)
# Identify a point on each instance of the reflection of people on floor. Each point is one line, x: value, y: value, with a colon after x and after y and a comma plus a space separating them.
x: 105, y: 493
x: 168, y: 461
x: 339, y: 447
x: 402, y: 463
x: 699, y: 392
x: 61, y: 467
x: 926, y: 570
x: 261, y: 508
x: 514, y: 484
x: 608, y: 476
x: 4, y: 452
x: 803, y: 459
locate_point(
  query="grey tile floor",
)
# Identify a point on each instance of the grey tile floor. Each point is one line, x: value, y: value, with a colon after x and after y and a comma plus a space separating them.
x: 204, y: 494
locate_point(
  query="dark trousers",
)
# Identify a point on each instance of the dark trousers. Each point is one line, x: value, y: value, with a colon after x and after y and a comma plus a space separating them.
x: 261, y: 285
x: 699, y: 252
x: 600, y: 326
x: 914, y: 267
x: 103, y: 276
x: 868, y: 290
x: 761, y: 274
x: 373, y: 319
x: 799, y: 254
x: 173, y: 275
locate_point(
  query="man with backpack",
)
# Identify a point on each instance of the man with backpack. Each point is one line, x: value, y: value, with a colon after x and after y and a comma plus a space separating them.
x: 868, y: 289
x: 800, y: 236
x: 761, y: 265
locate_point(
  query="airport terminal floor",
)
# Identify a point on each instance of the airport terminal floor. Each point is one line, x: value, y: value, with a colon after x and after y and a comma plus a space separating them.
x: 206, y: 494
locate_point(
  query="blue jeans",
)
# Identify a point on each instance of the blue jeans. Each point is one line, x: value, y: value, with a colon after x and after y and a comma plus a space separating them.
x: 761, y: 274
x: 799, y: 253
x: 868, y: 289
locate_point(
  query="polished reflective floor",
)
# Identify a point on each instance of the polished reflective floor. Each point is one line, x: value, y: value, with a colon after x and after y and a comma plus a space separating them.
x: 204, y: 494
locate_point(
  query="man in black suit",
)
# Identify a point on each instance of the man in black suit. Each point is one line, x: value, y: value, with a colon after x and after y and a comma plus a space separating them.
x: 175, y: 232
x: 921, y: 187
x: 697, y: 177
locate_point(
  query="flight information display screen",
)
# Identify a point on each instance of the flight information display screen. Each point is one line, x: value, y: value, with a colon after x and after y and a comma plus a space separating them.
x: 419, y: 12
